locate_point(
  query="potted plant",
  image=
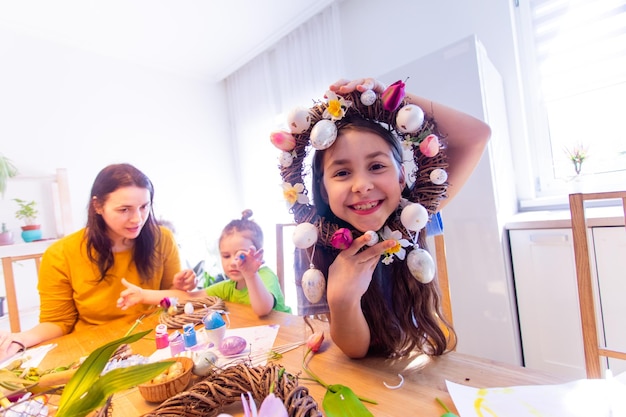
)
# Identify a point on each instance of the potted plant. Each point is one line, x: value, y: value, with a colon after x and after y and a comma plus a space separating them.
x: 7, y: 170
x: 28, y: 212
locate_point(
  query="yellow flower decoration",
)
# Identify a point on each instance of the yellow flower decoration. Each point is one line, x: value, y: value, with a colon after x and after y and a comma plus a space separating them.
x: 398, y: 248
x: 294, y: 194
x: 337, y: 106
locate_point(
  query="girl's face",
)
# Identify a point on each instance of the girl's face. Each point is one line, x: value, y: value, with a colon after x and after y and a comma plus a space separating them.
x: 125, y: 211
x: 230, y: 245
x: 362, y: 182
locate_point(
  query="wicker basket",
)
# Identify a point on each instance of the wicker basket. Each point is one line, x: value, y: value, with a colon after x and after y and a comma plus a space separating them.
x: 157, y: 393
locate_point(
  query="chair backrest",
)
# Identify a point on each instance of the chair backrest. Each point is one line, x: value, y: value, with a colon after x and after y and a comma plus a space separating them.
x: 586, y: 292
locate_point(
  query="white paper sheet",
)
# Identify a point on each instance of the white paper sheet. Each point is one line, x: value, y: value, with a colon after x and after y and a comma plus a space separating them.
x: 581, y: 398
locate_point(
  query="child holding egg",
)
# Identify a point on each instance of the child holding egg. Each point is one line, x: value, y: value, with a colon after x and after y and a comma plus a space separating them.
x: 249, y: 282
x: 363, y: 235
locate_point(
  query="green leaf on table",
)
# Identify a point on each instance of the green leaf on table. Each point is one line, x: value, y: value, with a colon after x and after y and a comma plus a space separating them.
x: 83, y: 384
x: 112, y: 382
x: 341, y: 401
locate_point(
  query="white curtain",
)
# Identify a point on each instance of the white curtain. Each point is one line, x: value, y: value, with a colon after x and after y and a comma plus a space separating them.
x: 295, y: 71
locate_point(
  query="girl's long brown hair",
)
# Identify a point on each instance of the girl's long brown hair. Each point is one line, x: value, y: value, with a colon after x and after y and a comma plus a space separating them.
x: 99, y: 245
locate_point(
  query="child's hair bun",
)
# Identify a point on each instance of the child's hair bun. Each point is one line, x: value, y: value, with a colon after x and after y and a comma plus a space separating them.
x: 246, y: 214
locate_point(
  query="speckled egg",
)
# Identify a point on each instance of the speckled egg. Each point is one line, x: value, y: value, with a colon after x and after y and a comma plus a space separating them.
x: 304, y: 235
x: 421, y: 265
x: 409, y: 118
x: 438, y: 176
x: 368, y: 97
x: 285, y: 159
x: 373, y: 237
x: 299, y: 120
x: 313, y: 285
x: 414, y: 217
x: 323, y: 134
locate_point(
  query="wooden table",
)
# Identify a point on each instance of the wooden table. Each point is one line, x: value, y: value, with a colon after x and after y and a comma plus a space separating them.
x: 424, y: 377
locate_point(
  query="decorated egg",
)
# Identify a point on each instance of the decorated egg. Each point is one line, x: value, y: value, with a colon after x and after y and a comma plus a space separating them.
x: 213, y: 320
x: 188, y: 309
x: 421, y: 265
x: 299, y: 120
x: 414, y: 217
x: 283, y: 140
x: 232, y: 345
x: 313, y: 285
x: 368, y: 97
x: 323, y: 134
x: 304, y: 235
x: 409, y: 118
x: 373, y: 238
x: 438, y: 176
x: 430, y: 145
x: 203, y: 362
x: 285, y: 159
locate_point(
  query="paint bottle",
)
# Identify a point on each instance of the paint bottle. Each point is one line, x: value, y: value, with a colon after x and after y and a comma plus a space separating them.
x: 189, y: 335
x: 177, y: 344
x: 161, y: 336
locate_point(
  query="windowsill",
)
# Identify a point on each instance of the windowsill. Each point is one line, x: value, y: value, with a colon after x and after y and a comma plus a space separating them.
x: 560, y: 219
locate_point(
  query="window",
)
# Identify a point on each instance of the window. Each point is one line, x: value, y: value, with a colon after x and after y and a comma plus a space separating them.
x: 573, y: 60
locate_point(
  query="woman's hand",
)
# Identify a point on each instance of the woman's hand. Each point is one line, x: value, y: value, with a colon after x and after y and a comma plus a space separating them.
x: 8, y: 346
x: 350, y: 274
x: 130, y: 296
x: 185, y: 280
x: 361, y: 84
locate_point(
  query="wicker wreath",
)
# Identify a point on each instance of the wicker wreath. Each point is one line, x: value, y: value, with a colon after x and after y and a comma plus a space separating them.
x: 201, y: 307
x: 209, y: 396
x: 423, y: 190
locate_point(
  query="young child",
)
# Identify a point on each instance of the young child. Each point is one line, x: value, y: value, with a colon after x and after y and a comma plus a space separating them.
x: 374, y: 301
x: 241, y: 252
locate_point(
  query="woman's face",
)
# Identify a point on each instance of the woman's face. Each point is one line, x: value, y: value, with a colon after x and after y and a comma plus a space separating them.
x: 362, y: 181
x: 230, y: 245
x: 125, y: 211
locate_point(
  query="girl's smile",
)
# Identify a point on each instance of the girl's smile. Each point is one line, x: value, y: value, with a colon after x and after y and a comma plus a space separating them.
x: 362, y: 181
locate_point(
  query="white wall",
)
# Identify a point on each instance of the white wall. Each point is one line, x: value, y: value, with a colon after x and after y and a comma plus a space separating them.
x: 65, y: 107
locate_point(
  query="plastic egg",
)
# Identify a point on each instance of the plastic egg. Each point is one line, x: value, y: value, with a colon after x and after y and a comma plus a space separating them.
x: 438, y: 176
x: 304, y: 235
x: 421, y: 265
x: 313, y: 285
x: 232, y: 345
x: 373, y: 237
x: 285, y: 159
x: 430, y: 145
x: 368, y: 97
x: 323, y: 134
x: 409, y: 118
x: 299, y: 120
x: 213, y: 320
x: 414, y: 217
x: 188, y: 309
x: 283, y: 140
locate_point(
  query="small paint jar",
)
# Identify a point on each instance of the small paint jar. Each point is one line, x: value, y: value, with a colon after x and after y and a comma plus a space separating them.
x: 177, y: 344
x: 189, y: 335
x: 161, y: 336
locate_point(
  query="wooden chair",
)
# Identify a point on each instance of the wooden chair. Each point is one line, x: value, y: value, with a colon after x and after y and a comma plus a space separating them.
x: 593, y: 349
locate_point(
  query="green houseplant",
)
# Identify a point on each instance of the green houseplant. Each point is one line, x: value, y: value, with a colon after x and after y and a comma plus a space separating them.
x: 7, y: 170
x: 28, y: 213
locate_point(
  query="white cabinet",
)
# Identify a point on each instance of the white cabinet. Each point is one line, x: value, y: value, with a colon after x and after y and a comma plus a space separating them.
x: 547, y: 298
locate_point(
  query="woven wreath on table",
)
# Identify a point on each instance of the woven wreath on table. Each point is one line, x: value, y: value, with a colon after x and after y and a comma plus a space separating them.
x: 209, y: 396
x: 176, y: 318
x: 428, y: 173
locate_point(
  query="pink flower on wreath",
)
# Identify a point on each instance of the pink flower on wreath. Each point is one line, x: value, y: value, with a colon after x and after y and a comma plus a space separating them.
x: 342, y: 239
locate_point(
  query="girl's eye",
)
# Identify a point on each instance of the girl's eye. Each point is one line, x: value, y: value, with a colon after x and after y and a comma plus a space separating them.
x: 341, y: 173
x: 377, y: 166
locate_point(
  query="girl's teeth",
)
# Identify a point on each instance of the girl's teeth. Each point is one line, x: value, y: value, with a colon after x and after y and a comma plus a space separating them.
x: 365, y: 206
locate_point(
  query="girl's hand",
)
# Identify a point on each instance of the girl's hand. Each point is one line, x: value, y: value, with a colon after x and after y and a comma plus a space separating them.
x: 362, y: 84
x: 350, y: 274
x: 248, y: 263
x: 185, y: 280
x: 130, y: 296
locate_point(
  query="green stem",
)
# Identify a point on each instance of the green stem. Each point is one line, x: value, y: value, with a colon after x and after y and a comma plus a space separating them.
x: 446, y: 409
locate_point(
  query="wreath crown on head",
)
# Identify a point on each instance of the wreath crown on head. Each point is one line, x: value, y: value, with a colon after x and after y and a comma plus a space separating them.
x: 316, y: 128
